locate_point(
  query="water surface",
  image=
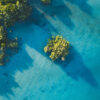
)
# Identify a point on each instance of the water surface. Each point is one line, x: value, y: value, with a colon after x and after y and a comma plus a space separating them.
x: 31, y: 75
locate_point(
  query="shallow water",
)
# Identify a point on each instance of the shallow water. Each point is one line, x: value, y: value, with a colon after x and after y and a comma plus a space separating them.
x: 31, y: 75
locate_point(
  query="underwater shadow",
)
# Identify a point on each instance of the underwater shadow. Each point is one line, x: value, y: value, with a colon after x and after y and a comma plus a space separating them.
x: 51, y: 12
x: 76, y: 69
x: 83, y: 5
x: 73, y: 66
x: 21, y: 61
x: 40, y: 20
x: 33, y: 36
x: 7, y: 82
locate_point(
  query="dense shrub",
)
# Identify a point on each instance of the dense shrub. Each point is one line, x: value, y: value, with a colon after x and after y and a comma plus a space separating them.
x: 57, y: 47
x: 11, y: 11
x: 5, y: 44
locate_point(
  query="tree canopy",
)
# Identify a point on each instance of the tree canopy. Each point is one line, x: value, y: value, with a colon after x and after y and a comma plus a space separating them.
x: 58, y: 47
x: 11, y: 11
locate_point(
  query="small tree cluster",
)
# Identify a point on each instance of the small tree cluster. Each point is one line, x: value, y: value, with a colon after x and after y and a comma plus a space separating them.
x: 11, y: 11
x: 57, y: 47
x: 5, y: 45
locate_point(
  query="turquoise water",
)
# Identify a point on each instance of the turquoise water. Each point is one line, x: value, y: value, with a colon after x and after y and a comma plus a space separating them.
x: 31, y: 75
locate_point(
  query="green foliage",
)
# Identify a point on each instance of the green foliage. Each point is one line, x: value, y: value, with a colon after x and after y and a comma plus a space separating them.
x: 57, y: 47
x: 11, y: 11
x: 2, y: 33
x: 5, y: 45
x: 46, y: 1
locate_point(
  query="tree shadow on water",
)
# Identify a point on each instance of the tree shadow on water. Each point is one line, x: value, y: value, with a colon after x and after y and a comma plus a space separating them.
x: 58, y: 9
x: 76, y: 69
x: 21, y: 62
x: 32, y: 36
x: 45, y: 13
x: 83, y: 5
x: 7, y: 82
x: 40, y: 20
x: 73, y: 66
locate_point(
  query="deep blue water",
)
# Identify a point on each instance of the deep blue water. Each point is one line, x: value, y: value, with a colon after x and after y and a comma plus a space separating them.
x: 31, y: 75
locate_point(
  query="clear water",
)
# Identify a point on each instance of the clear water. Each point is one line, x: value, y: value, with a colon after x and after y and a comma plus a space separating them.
x: 31, y: 75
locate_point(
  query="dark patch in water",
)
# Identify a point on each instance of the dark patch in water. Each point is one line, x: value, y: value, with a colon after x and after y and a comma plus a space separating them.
x: 5, y: 74
x: 76, y: 69
x: 83, y: 5
x: 25, y: 98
